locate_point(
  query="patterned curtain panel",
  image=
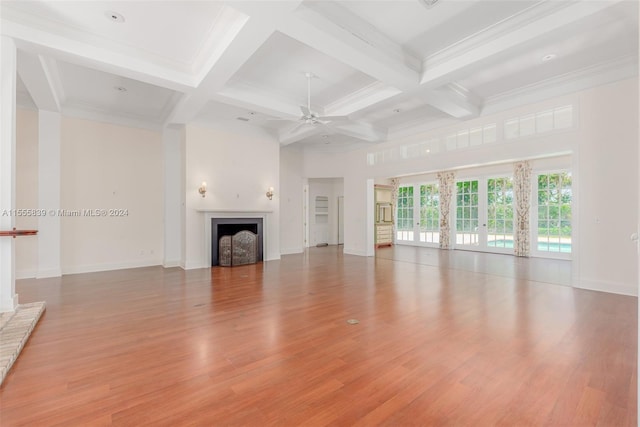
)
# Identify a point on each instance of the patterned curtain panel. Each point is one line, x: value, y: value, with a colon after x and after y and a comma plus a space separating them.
x: 522, y: 189
x: 395, y: 184
x: 446, y: 183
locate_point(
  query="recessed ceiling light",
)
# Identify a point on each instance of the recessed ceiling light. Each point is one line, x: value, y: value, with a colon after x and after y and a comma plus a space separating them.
x: 397, y: 110
x: 427, y: 151
x: 325, y: 136
x: 120, y: 88
x: 114, y: 16
x: 252, y: 113
x: 549, y: 57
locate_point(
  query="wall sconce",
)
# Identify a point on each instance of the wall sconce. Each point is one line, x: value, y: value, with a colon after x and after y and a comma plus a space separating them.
x: 270, y: 193
x: 203, y: 188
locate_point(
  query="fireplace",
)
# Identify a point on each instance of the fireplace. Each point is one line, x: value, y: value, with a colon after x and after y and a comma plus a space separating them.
x: 230, y: 227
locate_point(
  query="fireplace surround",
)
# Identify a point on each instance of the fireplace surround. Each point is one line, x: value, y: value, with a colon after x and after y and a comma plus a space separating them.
x: 209, y: 214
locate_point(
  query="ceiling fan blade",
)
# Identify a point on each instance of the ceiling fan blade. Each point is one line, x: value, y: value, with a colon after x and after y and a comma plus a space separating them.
x: 297, y: 127
x: 305, y: 110
x: 335, y: 118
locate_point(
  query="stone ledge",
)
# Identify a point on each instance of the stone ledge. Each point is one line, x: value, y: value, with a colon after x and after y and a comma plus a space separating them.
x: 15, y: 329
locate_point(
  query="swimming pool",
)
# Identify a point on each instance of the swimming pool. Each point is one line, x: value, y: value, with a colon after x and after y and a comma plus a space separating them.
x: 542, y: 246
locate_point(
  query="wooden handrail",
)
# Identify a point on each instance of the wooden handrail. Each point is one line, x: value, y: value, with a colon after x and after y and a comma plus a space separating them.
x: 15, y: 233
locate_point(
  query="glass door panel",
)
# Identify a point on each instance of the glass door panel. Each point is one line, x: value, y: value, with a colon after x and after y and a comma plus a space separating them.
x: 500, y: 213
x: 467, y: 214
x: 554, y: 213
x: 404, y: 217
x: 429, y: 214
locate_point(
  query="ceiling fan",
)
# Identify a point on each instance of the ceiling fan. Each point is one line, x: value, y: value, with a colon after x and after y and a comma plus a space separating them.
x: 311, y: 118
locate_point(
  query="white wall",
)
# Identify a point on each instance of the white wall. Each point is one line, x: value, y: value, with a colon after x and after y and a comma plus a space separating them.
x: 238, y: 166
x: 603, y: 148
x: 608, y: 187
x: 106, y: 166
x: 291, y: 203
x: 26, y: 190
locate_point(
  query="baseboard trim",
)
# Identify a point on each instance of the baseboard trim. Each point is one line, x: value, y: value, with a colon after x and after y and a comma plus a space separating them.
x: 194, y: 265
x: 43, y: 274
x: 612, y: 288
x: 351, y: 251
x: 171, y: 264
x: 108, y: 267
x: 291, y: 251
x: 26, y: 274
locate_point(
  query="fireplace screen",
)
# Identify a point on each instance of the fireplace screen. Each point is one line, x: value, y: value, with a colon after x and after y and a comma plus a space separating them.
x: 239, y: 249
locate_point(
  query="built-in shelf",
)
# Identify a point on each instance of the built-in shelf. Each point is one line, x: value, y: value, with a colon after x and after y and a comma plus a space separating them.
x: 322, y: 219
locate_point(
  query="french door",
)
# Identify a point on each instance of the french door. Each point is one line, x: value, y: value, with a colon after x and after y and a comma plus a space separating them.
x: 484, y: 214
x: 418, y: 215
x: 481, y: 214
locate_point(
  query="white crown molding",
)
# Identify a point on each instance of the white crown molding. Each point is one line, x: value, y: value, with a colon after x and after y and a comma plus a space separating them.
x: 596, y: 75
x: 361, y: 99
x: 223, y: 30
x: 127, y: 61
x: 535, y: 12
x: 357, y: 27
x: 448, y: 66
x: 254, y: 97
x: 82, y: 111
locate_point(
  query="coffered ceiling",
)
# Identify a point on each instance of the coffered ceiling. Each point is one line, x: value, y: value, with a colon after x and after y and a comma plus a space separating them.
x: 392, y: 67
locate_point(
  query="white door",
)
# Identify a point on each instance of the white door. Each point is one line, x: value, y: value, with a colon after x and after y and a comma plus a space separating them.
x: 484, y: 214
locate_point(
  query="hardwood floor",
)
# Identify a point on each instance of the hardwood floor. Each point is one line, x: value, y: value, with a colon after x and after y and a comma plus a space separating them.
x: 269, y: 344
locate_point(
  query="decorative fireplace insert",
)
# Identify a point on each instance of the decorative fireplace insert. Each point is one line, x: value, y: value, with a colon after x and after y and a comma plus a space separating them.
x: 239, y: 249
x: 236, y: 241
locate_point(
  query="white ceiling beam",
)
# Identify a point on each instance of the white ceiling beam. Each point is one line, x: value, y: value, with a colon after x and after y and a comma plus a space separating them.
x: 259, y: 101
x: 453, y: 100
x: 446, y: 67
x: 336, y: 31
x: 40, y: 77
x: 296, y: 133
x: 77, y: 51
x: 261, y: 24
x: 361, y: 99
x: 361, y: 130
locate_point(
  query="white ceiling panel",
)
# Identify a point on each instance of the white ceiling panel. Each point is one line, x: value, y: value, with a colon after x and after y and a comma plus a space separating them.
x: 593, y: 41
x: 388, y: 67
x: 172, y: 31
x: 113, y: 95
x: 280, y: 66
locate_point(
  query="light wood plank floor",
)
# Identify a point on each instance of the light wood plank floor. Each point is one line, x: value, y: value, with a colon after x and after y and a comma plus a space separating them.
x: 268, y: 344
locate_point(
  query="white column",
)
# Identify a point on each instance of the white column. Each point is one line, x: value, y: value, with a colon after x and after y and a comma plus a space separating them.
x: 370, y: 219
x: 8, y: 296
x: 49, y: 194
x: 173, y: 189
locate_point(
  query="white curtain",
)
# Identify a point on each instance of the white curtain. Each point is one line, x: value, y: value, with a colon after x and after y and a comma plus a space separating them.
x: 522, y: 190
x: 446, y: 183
